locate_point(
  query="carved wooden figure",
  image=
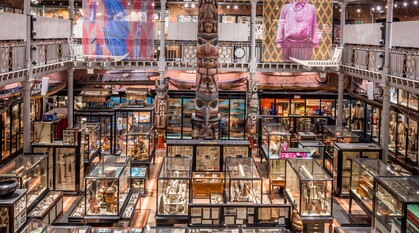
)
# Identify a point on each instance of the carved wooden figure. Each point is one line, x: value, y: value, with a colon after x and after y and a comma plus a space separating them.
x: 162, y: 103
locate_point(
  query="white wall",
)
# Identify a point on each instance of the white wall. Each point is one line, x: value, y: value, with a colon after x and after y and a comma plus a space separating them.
x: 362, y: 34
x: 12, y: 26
x: 51, y: 28
x: 405, y: 34
x: 226, y: 31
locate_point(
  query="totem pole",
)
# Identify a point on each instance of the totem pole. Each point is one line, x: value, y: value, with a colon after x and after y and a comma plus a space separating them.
x: 206, y: 120
x: 252, y: 108
x: 161, y: 107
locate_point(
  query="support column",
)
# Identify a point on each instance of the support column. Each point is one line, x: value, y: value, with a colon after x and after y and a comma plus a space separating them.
x: 71, y: 17
x: 162, y: 57
x: 385, y: 113
x: 339, y: 122
x: 27, y: 83
x: 70, y: 97
x: 253, y: 38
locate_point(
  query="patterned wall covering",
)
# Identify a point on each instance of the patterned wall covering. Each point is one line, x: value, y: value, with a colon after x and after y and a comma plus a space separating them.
x: 271, y: 13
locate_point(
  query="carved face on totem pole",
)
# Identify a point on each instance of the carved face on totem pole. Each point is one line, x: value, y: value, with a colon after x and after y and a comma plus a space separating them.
x: 162, y: 89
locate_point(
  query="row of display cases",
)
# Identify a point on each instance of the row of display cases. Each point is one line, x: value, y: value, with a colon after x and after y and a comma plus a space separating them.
x: 208, y: 155
x: 11, y: 129
x: 37, y: 226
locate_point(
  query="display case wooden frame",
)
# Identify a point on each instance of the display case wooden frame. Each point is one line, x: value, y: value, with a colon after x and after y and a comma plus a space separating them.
x: 30, y: 171
x: 13, y: 211
x: 50, y: 207
x: 341, y: 167
x: 218, y: 152
x: 396, y: 204
x: 363, y: 173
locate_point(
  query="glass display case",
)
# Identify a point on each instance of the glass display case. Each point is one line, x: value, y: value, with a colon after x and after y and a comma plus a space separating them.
x: 68, y: 229
x: 13, y: 211
x: 11, y: 129
x: 65, y: 166
x: 128, y: 116
x: 208, y: 155
x: 34, y: 225
x: 174, y: 118
x: 363, y: 173
x: 105, y: 118
x: 396, y: 207
x: 355, y: 230
x: 49, y: 208
x: 316, y: 149
x: 30, y: 171
x: 173, y: 185
x: 243, y: 181
x: 275, y: 138
x: 50, y: 129
x: 343, y: 153
x: 310, y: 187
x: 205, y: 183
x: 139, y: 177
x: 140, y: 144
x: 107, y: 188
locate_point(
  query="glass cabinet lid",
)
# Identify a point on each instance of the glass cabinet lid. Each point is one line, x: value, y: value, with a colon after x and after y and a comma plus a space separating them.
x: 100, y: 171
x: 69, y: 229
x: 308, y: 169
x: 176, y: 167
x: 141, y: 129
x: 115, y: 160
x: 375, y: 166
x: 164, y: 230
x: 242, y: 167
x: 311, y: 143
x: 343, y: 133
x: 276, y: 129
x: 20, y: 164
x: 357, y: 146
x: 405, y: 188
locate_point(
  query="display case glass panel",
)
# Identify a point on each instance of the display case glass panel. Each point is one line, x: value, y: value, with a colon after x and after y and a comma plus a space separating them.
x: 173, y: 184
x: 237, y: 118
x: 129, y: 115
x: 316, y: 149
x: 140, y: 143
x: 90, y: 140
x: 375, y: 124
x: 396, y: 204
x: 267, y: 106
x: 413, y: 101
x: 224, y: 109
x: 393, y: 132
x: 401, y: 140
x: 139, y: 178
x: 187, y: 110
x: 328, y: 108
x: 393, y: 95
x: 243, y: 181
x: 313, y: 107
x: 298, y: 107
x: 206, y: 183
x: 179, y: 150
x: 30, y: 171
x: 357, y: 120
x: 412, y: 143
x: 363, y: 175
x: 13, y: 211
x: 68, y: 229
x: 65, y: 169
x: 34, y: 226
x: 49, y: 208
x: 107, y: 186
x: 309, y: 186
x: 275, y: 138
x: 403, y: 97
x: 174, y: 118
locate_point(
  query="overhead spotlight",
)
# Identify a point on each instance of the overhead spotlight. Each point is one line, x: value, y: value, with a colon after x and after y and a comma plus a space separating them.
x: 186, y: 4
x: 153, y: 4
x: 236, y: 7
x: 378, y: 8
x: 395, y: 5
x: 415, y: 2
x: 405, y: 4
x: 372, y: 9
x: 193, y: 5
x: 228, y: 6
x: 359, y: 10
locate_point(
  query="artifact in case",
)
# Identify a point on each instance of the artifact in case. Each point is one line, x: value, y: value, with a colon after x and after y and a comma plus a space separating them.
x: 310, y: 187
x: 363, y: 173
x: 396, y: 207
x: 275, y: 138
x: 316, y: 148
x: 243, y: 181
x: 139, y: 176
x: 34, y: 226
x: 140, y: 144
x: 107, y: 188
x: 31, y: 173
x: 68, y: 229
x: 13, y: 211
x: 205, y: 183
x: 343, y: 153
x: 49, y: 208
x: 173, y: 184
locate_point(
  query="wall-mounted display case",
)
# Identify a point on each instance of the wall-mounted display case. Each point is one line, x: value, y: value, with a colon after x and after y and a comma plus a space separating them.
x: 140, y: 144
x: 363, y: 175
x: 128, y: 116
x: 13, y: 211
x: 396, y: 207
x: 11, y: 129
x: 208, y: 155
x: 310, y: 187
x: 275, y: 138
x: 243, y: 181
x: 107, y: 188
x: 34, y: 225
x: 106, y: 119
x: 205, y: 183
x: 343, y: 153
x: 316, y: 148
x: 65, y: 166
x: 49, y: 208
x: 31, y: 172
x: 173, y: 185
x: 139, y: 177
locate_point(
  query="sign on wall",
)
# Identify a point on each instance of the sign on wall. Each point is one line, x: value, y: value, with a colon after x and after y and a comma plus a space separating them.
x: 297, y: 28
x: 119, y: 28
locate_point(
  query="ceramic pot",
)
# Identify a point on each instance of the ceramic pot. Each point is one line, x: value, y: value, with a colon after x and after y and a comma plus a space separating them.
x: 7, y: 187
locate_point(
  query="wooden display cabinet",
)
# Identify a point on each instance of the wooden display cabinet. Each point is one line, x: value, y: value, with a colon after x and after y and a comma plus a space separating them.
x: 205, y: 183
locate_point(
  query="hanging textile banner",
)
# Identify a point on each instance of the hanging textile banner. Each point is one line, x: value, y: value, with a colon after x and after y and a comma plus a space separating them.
x: 297, y: 28
x: 119, y: 28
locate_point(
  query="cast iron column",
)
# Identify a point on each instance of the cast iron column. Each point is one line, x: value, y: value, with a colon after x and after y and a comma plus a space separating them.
x: 162, y: 57
x: 385, y: 113
x: 339, y: 122
x: 27, y: 83
x: 70, y: 97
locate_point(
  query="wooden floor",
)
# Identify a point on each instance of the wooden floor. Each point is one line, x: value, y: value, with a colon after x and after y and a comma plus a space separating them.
x: 145, y: 212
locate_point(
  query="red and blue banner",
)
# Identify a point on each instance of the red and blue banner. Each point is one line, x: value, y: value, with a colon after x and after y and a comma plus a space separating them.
x: 119, y: 28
